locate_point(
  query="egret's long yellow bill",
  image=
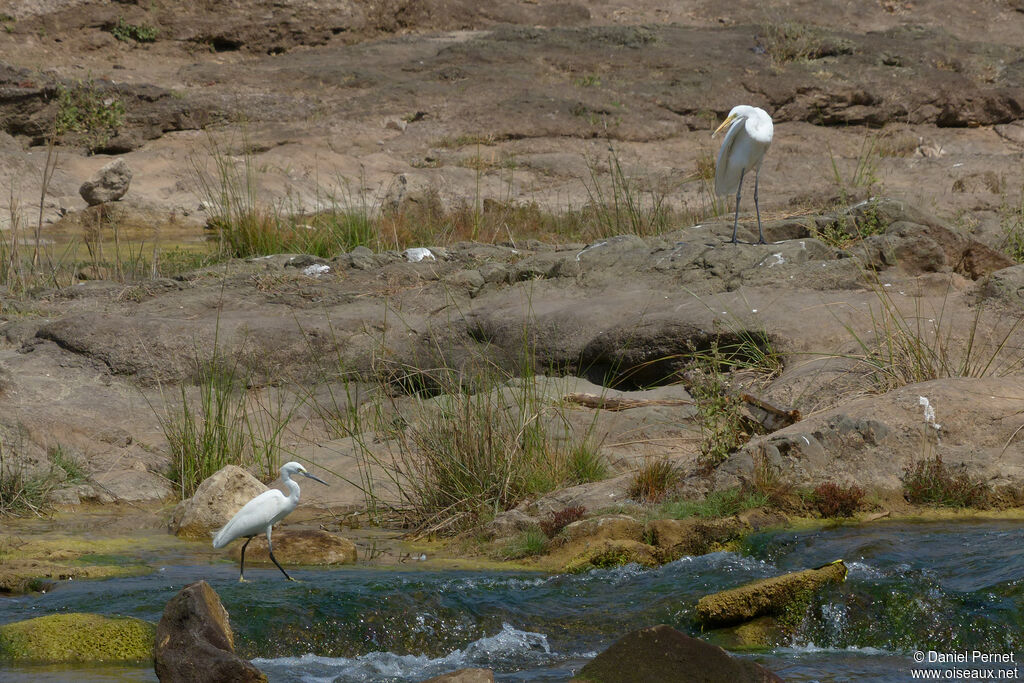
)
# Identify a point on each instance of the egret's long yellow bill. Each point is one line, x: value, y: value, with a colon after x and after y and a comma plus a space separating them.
x: 725, y: 124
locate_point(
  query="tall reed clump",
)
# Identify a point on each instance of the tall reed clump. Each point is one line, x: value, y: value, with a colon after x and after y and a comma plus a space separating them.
x: 246, y: 225
x: 909, y: 348
x: 227, y: 425
x: 468, y: 454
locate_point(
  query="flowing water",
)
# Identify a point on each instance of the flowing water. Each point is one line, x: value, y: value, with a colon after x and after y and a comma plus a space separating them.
x: 938, y: 586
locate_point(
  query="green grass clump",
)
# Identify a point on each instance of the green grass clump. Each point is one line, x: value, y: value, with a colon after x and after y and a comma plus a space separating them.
x: 529, y: 543
x: 21, y: 493
x: 139, y: 33
x: 470, y: 454
x: 717, y: 504
x: 90, y: 113
x: 73, y: 470
x: 653, y: 481
x: 228, y: 425
x: 930, y: 482
x: 920, y: 346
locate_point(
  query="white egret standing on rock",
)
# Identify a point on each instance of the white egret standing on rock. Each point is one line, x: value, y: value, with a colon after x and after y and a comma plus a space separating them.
x: 748, y: 138
x: 261, y: 513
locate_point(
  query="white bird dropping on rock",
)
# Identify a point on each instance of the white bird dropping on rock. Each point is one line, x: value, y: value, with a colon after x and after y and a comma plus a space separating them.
x: 417, y: 254
x: 929, y: 413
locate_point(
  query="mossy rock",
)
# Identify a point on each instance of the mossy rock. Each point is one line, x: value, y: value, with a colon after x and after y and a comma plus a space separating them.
x: 609, y: 553
x: 781, y: 596
x: 77, y: 637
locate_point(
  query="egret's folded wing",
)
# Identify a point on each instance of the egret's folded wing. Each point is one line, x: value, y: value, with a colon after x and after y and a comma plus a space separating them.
x: 252, y: 519
x: 727, y: 172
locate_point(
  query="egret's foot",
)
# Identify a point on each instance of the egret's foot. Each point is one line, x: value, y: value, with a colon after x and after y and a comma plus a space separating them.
x: 242, y: 579
x: 761, y: 241
x: 295, y: 580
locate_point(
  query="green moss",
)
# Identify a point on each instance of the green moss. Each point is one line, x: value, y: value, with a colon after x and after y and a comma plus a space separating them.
x: 613, y: 553
x: 77, y: 638
x: 786, y: 597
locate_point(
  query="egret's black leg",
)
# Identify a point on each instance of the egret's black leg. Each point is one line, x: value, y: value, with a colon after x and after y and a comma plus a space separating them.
x: 270, y: 549
x: 760, y: 234
x: 241, y: 566
x: 736, y: 218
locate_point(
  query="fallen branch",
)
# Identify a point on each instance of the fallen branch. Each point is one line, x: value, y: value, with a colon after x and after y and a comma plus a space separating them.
x: 615, y: 403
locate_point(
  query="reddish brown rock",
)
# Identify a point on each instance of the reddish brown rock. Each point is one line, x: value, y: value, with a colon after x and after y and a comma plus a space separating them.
x: 194, y: 642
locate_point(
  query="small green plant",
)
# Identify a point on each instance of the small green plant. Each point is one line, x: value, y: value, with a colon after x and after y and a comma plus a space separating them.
x: 1011, y: 224
x: 140, y: 33
x: 91, y: 113
x: 929, y: 482
x: 561, y: 519
x: 584, y: 464
x: 73, y: 471
x: 833, y: 500
x: 865, y: 172
x: 717, y: 504
x: 653, y: 481
x: 722, y: 424
x: 22, y: 493
x: 588, y: 81
x: 528, y: 543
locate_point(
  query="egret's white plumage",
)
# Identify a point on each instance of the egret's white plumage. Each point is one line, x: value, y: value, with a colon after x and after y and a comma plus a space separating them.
x: 748, y: 137
x: 261, y: 513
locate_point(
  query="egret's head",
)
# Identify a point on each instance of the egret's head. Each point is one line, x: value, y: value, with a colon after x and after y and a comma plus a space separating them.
x: 293, y: 468
x: 290, y: 468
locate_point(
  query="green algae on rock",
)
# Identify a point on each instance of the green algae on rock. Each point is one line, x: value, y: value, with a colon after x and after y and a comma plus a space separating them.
x: 613, y: 553
x: 774, y: 596
x: 78, y: 637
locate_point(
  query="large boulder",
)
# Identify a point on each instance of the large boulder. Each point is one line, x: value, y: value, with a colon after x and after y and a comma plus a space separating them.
x: 77, y: 638
x: 109, y: 185
x: 215, y: 502
x: 302, y: 546
x: 194, y: 641
x: 662, y: 654
x: 772, y: 596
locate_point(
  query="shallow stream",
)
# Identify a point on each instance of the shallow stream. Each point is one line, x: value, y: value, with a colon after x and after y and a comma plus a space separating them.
x: 945, y: 587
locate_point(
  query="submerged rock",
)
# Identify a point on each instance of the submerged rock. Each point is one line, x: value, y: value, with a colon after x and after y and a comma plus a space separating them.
x: 77, y: 638
x: 613, y: 553
x: 194, y: 641
x: 661, y: 654
x: 302, y: 546
x: 766, y: 597
x: 680, y: 537
x: 215, y: 502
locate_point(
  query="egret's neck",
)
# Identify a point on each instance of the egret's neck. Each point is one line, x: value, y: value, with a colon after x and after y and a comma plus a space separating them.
x: 293, y: 488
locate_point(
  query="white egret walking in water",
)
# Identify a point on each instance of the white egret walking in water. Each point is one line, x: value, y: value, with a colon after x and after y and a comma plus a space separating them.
x: 263, y: 512
x: 748, y: 138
